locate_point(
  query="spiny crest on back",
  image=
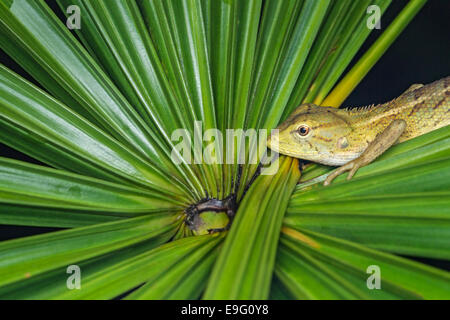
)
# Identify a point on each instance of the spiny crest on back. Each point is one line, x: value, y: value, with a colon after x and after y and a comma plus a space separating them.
x: 359, y: 109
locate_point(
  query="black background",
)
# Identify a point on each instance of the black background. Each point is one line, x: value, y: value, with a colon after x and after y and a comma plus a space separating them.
x: 419, y: 55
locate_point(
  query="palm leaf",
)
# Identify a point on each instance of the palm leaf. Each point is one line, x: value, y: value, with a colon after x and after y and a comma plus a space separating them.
x: 344, y: 266
x: 24, y: 258
x: 62, y: 199
x: 105, y: 102
x: 403, y: 210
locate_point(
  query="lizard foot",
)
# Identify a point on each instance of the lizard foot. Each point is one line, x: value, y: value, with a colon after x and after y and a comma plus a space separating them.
x: 351, y: 166
x: 382, y: 142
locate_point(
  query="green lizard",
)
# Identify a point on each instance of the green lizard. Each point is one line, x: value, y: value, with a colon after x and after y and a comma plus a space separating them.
x: 354, y: 137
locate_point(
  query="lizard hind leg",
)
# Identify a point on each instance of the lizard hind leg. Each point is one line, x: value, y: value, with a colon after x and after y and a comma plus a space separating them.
x: 383, y: 141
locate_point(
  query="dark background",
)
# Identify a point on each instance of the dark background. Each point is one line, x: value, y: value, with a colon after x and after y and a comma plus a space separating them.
x: 419, y: 55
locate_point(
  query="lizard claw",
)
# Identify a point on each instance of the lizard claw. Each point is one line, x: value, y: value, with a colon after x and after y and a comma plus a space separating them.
x: 336, y: 173
x: 353, y: 170
x: 352, y: 166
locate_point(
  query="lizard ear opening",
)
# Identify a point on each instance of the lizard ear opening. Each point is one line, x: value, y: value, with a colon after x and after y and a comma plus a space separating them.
x: 342, y: 142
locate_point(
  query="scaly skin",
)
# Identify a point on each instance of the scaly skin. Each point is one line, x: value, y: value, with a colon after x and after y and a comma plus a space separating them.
x: 354, y: 137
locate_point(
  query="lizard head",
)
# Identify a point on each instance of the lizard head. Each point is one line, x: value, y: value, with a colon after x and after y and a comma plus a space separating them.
x: 313, y: 133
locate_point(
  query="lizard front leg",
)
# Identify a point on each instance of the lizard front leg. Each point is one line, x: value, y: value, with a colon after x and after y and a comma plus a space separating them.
x: 380, y: 144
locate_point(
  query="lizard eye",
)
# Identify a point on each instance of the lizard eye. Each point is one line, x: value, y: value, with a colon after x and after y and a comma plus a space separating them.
x: 303, y: 130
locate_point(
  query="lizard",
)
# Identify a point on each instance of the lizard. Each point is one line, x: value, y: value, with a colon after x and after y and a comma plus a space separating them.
x: 354, y: 137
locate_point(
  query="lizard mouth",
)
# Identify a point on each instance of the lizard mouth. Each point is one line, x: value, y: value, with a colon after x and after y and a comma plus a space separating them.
x: 273, y: 142
x: 284, y: 148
